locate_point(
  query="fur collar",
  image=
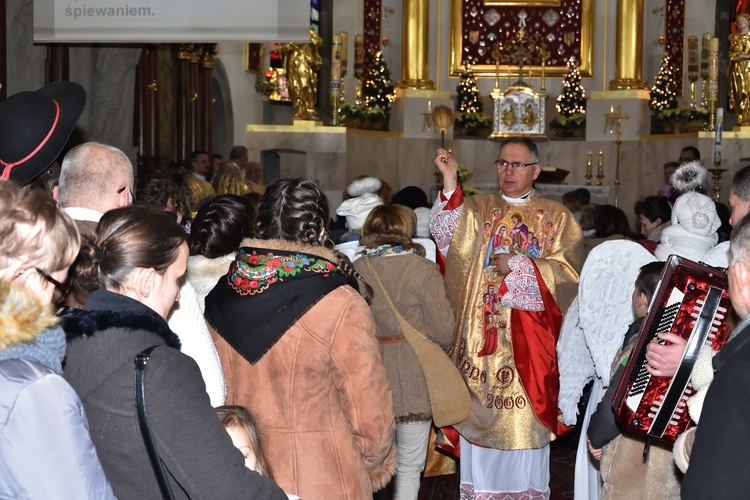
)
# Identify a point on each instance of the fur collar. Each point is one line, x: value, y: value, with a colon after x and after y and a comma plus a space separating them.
x: 22, y: 317
x: 87, y: 323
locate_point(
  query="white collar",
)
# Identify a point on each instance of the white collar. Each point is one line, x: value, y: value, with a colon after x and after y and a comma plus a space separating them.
x: 522, y: 199
x: 83, y: 214
x: 199, y: 176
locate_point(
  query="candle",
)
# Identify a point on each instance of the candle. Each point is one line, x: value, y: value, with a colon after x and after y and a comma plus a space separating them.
x: 588, y: 165
x: 713, y: 71
x: 704, y: 55
x: 344, y: 37
x: 359, y: 55
x: 336, y: 59
x: 693, y: 58
x: 600, y: 166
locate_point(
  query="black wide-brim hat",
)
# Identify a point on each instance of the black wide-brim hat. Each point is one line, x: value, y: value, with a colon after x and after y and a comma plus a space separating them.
x: 34, y: 128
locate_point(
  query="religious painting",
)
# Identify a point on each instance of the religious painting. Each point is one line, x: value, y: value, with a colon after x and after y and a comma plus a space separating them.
x: 483, y: 32
x: 254, y: 57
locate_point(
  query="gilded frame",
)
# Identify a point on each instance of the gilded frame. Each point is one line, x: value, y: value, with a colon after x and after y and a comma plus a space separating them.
x: 488, y: 70
x: 254, y: 57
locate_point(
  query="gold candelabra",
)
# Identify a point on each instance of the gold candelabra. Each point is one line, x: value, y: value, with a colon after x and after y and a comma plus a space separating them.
x: 614, y: 123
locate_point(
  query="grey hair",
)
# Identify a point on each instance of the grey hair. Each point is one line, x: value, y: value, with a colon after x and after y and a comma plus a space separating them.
x: 89, y: 173
x: 525, y: 141
x: 741, y: 184
x: 739, y: 243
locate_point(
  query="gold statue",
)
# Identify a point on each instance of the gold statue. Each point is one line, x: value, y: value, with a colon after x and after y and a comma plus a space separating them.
x: 302, y: 62
x: 739, y: 69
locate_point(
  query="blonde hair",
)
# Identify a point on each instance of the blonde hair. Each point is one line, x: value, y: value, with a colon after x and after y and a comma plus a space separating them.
x: 390, y: 225
x: 34, y: 232
x: 238, y: 416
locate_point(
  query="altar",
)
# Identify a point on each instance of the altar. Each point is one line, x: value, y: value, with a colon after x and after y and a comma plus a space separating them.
x: 335, y: 155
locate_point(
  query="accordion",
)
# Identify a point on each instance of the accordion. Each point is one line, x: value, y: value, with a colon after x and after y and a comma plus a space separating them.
x: 692, y: 301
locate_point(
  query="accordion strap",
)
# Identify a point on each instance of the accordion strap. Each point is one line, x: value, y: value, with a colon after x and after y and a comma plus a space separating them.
x: 144, y: 425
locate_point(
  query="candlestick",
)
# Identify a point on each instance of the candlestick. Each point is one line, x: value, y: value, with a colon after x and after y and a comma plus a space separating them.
x: 600, y: 169
x: 589, y: 157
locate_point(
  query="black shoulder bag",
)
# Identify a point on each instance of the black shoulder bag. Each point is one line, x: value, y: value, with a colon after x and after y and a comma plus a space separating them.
x: 145, y: 427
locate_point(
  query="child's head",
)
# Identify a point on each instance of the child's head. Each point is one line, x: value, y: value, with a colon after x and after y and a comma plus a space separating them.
x: 645, y: 286
x: 241, y: 427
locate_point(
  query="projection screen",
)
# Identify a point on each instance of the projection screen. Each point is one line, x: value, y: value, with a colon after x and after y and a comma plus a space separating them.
x: 137, y: 21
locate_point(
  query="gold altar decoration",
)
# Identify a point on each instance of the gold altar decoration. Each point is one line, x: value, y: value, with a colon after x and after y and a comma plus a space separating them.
x: 302, y: 62
x: 505, y: 68
x: 519, y: 110
x: 336, y: 78
x: 739, y: 70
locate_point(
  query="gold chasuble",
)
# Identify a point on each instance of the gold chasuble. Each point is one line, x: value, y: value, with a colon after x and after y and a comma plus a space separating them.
x: 230, y: 179
x: 505, y: 413
x: 191, y: 192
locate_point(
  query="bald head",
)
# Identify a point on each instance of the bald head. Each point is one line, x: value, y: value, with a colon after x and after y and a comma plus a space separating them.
x: 95, y: 176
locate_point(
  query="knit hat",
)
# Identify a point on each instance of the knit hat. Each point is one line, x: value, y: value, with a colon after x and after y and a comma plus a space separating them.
x: 693, y: 230
x: 364, y: 199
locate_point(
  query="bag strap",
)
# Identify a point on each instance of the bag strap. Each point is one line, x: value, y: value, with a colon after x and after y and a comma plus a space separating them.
x: 141, y: 360
x: 406, y: 327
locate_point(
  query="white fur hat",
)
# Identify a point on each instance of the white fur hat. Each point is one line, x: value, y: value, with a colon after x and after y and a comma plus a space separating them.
x: 365, y: 199
x: 693, y: 229
x: 696, y: 213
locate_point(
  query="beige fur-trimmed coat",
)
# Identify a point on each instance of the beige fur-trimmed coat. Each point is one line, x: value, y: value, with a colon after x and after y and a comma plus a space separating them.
x: 320, y: 397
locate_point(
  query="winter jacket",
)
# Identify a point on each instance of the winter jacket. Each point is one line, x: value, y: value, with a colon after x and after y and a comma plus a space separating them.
x: 320, y: 396
x: 45, y: 448
x: 197, y: 453
x: 416, y: 287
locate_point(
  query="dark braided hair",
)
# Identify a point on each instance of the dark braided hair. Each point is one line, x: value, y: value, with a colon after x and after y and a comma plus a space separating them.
x: 297, y: 210
x: 220, y: 226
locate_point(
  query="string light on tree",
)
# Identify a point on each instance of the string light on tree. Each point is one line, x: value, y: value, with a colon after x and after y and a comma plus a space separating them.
x: 572, y: 100
x: 467, y: 93
x: 378, y: 87
x: 664, y: 91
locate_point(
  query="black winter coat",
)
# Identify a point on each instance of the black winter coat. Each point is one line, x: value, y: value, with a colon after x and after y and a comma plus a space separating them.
x: 721, y: 452
x: 198, y: 454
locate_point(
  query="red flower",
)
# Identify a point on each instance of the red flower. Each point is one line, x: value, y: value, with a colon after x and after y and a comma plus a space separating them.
x: 236, y: 280
x: 244, y: 285
x: 253, y: 284
x: 330, y: 265
x: 253, y: 260
x: 289, y: 266
x: 273, y: 263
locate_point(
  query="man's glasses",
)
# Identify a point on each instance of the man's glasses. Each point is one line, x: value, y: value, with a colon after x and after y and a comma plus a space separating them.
x: 61, y: 290
x: 130, y: 192
x: 517, y: 165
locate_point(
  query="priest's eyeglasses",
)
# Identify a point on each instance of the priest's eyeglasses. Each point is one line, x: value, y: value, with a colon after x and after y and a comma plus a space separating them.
x: 518, y: 166
x: 61, y: 291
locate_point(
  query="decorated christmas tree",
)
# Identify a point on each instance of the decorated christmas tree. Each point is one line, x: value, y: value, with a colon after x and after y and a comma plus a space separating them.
x: 572, y: 100
x: 467, y: 93
x: 663, y: 93
x: 378, y: 87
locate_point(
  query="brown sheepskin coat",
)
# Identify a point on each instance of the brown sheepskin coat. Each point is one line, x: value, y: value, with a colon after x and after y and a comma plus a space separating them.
x: 320, y: 397
x: 416, y: 287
